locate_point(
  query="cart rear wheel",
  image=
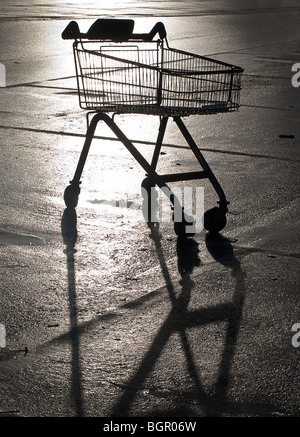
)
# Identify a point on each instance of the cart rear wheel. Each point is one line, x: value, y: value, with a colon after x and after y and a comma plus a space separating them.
x: 182, y: 229
x: 215, y: 220
x: 71, y: 196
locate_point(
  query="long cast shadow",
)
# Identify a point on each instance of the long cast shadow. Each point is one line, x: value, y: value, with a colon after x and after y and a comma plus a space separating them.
x: 180, y: 319
x: 221, y: 250
x: 172, y: 323
x: 173, y: 146
x: 69, y: 234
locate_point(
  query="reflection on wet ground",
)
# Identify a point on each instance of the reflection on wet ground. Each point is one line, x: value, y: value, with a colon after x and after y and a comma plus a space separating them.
x: 83, y: 9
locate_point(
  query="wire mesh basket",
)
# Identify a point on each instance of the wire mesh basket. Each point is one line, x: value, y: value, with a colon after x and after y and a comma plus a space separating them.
x: 151, y: 78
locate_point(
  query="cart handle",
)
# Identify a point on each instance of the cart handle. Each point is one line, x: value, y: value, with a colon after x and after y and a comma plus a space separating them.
x: 113, y: 29
x: 158, y: 28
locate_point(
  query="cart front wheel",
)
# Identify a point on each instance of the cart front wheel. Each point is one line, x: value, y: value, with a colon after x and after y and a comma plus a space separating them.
x: 71, y: 196
x: 215, y: 220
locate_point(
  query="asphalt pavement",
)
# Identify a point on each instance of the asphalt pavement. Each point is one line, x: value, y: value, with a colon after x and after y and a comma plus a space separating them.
x: 103, y: 316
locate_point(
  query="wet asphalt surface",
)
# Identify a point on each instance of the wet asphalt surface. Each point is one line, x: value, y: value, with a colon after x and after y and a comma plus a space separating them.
x: 106, y: 317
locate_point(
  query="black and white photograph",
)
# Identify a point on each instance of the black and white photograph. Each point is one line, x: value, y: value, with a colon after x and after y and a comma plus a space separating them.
x: 150, y: 212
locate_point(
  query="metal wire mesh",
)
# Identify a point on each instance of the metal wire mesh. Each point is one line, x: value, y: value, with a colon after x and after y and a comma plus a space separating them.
x: 150, y: 78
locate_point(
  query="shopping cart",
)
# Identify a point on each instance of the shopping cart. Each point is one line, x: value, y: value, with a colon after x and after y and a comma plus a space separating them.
x: 121, y: 72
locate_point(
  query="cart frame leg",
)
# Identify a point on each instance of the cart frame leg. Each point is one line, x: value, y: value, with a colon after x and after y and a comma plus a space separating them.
x: 160, y: 137
x: 86, y: 147
x: 149, y: 168
x: 73, y: 190
x: 223, y: 202
x: 214, y: 218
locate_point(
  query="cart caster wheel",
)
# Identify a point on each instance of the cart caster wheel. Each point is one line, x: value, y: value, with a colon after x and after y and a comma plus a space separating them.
x: 71, y: 196
x: 215, y: 220
x: 181, y: 229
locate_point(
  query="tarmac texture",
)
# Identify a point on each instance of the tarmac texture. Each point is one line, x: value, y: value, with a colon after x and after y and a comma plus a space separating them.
x: 104, y: 316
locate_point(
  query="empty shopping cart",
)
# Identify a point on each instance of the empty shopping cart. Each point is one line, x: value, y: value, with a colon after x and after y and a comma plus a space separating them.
x: 119, y: 71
